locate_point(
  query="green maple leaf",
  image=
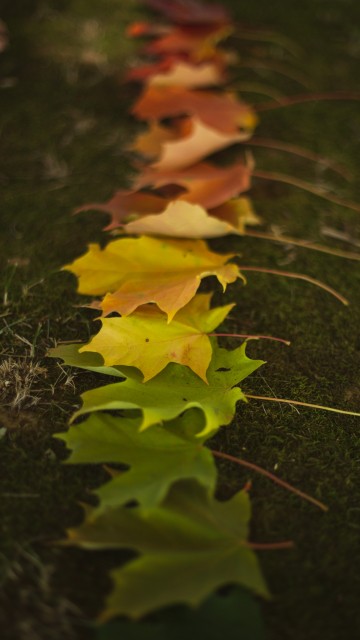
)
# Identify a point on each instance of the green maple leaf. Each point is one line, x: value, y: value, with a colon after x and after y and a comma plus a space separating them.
x: 190, y: 545
x: 157, y: 458
x: 69, y: 354
x: 234, y: 616
x: 177, y: 389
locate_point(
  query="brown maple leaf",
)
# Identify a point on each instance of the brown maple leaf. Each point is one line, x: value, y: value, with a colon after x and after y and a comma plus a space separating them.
x: 223, y: 112
x: 204, y: 183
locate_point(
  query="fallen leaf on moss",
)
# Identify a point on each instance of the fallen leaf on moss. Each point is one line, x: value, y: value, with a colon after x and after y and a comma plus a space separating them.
x: 222, y: 615
x: 126, y: 204
x: 185, y: 220
x: 177, y: 389
x: 196, y: 141
x: 69, y: 354
x: 158, y: 458
x: 140, y: 29
x: 4, y: 36
x: 190, y: 11
x: 223, y: 112
x: 141, y: 208
x: 150, y: 143
x: 142, y: 270
x: 205, y: 184
x: 190, y: 545
x: 198, y: 42
x: 178, y: 70
x: 238, y: 213
x: 145, y: 340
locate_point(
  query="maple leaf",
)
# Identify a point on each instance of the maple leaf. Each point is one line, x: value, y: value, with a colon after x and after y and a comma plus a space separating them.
x: 142, y: 270
x: 179, y: 70
x: 158, y: 458
x: 196, y: 41
x: 182, y: 219
x: 196, y: 142
x: 4, y: 36
x: 190, y: 545
x: 222, y: 615
x: 190, y: 11
x: 142, y: 73
x: 223, y: 112
x: 238, y: 213
x: 177, y: 389
x: 205, y: 184
x: 151, y: 142
x: 145, y: 340
x: 134, y: 206
x: 141, y: 28
x: 69, y: 354
x: 126, y: 204
x: 182, y: 73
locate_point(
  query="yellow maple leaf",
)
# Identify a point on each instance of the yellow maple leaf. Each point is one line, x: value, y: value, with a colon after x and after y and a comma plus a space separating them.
x: 140, y: 270
x: 145, y: 340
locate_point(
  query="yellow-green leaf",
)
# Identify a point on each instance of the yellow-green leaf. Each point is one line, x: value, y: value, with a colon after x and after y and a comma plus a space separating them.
x: 177, y: 389
x: 145, y: 340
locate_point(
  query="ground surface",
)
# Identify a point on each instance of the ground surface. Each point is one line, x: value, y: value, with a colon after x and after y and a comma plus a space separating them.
x: 64, y: 126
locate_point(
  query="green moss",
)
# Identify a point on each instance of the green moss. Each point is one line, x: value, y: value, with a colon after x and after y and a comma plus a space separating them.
x: 64, y: 131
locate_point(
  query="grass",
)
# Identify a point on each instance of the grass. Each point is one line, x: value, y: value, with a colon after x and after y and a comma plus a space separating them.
x: 63, y: 127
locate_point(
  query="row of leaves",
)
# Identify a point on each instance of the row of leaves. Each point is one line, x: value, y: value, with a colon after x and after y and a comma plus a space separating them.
x: 176, y: 386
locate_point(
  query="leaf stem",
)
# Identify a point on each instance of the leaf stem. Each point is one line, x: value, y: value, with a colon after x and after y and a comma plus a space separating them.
x: 268, y: 36
x: 270, y: 546
x: 268, y: 474
x: 278, y: 145
x: 256, y: 87
x: 305, y: 186
x: 276, y: 67
x: 299, y: 276
x: 307, y: 97
x: 304, y: 404
x: 248, y: 337
x: 306, y: 244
